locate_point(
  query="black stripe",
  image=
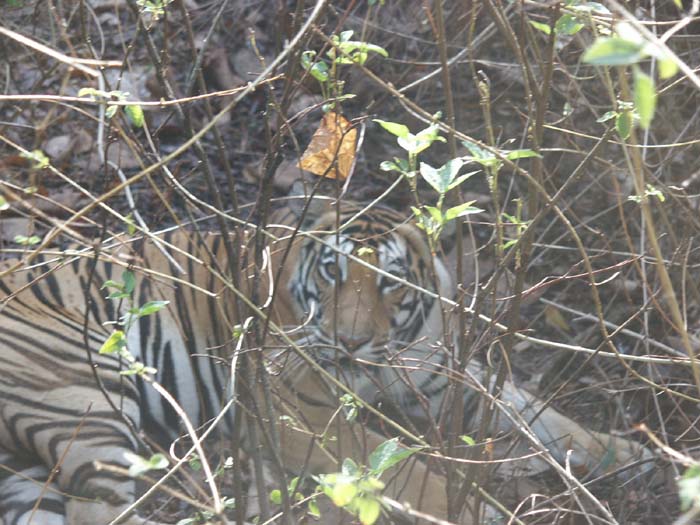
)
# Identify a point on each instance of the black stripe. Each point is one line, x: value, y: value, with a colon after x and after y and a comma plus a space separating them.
x: 47, y: 504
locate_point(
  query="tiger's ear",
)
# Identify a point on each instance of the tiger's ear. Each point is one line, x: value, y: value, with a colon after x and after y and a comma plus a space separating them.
x: 300, y: 195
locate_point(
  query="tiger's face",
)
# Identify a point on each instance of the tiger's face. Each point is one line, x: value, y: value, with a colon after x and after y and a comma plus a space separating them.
x: 351, y: 289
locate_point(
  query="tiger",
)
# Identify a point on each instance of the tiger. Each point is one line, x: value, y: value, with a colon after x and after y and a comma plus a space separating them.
x: 354, y: 300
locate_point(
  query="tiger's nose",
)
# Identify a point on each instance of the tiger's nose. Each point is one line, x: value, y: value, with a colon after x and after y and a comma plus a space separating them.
x: 353, y: 343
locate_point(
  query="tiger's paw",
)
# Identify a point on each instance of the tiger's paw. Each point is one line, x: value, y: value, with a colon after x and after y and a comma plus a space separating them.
x: 82, y: 512
x: 607, y: 453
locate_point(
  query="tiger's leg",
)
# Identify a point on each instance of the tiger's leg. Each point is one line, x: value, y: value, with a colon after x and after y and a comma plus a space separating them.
x: 104, y: 494
x: 20, y: 492
x: 587, y: 451
x: 72, y: 432
x: 301, y: 449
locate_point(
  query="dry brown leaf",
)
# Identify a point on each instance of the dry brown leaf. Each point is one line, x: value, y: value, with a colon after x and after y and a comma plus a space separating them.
x: 83, y: 141
x: 59, y: 148
x: 14, y: 161
x: 554, y: 317
x: 286, y: 175
x: 245, y: 62
x: 333, y: 140
x: 218, y: 69
x: 118, y: 153
x: 57, y: 203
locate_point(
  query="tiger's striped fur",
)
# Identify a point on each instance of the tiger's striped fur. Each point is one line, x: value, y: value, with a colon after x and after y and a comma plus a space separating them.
x: 355, y: 322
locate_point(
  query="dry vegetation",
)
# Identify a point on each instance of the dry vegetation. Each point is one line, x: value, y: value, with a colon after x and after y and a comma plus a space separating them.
x: 585, y: 268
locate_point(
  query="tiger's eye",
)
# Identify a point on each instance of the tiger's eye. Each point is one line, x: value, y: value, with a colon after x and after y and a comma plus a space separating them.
x: 329, y: 270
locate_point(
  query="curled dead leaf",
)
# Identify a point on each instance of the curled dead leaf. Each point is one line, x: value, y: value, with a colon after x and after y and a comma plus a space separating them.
x: 554, y: 317
x: 218, y: 70
x: 331, y: 152
x: 59, y: 148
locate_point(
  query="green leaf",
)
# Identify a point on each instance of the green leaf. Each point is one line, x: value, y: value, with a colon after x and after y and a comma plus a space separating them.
x: 350, y: 468
x: 306, y: 59
x: 398, y: 130
x: 415, y: 144
x: 459, y: 180
x: 426, y: 137
x: 613, y: 51
x: 430, y: 175
x: 416, y: 211
x: 347, y: 96
x: 92, y: 93
x: 461, y: 210
x: 115, y: 343
x: 627, y: 31
x: 689, y: 488
x: 276, y: 497
x: 37, y: 157
x: 588, y: 7
x: 477, y: 152
x: 388, y: 165
x: 135, y: 115
x: 195, y: 463
x: 644, y: 97
x: 373, y: 48
x: 441, y: 178
x: 370, y: 485
x: 368, y: 510
x: 158, y: 461
x: 129, y: 281
x: 358, y: 51
x: 667, y: 68
x: 521, y: 154
x: 111, y: 111
x: 318, y: 70
x: 568, y: 25
x: 387, y: 455
x: 137, y: 368
x: 609, y: 115
x: 651, y: 191
x: 468, y: 440
x: 130, y: 226
x: 27, y: 241
x: 313, y: 509
x: 409, y: 143
x: 237, y: 331
x: 623, y: 124
x: 343, y: 492
x: 541, y: 27
x: 293, y: 484
x: 151, y: 307
x: 112, y: 284
x: 141, y: 465
x: 4, y: 205
x: 435, y: 214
